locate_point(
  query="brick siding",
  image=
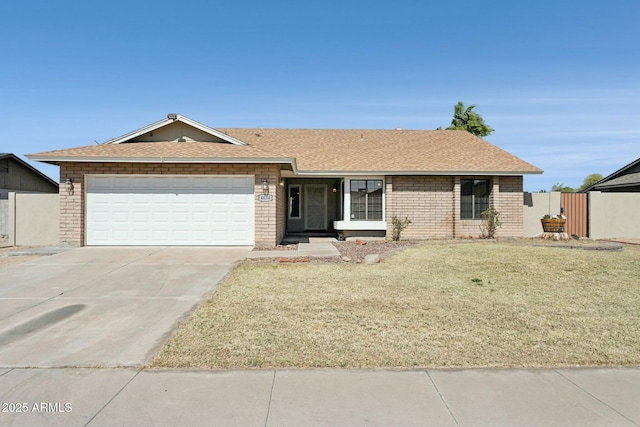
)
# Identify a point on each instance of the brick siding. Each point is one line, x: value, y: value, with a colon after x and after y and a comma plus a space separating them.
x: 426, y: 200
x: 432, y: 203
x: 509, y: 204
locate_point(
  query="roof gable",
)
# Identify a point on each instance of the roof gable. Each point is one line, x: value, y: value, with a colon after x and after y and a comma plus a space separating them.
x: 176, y: 128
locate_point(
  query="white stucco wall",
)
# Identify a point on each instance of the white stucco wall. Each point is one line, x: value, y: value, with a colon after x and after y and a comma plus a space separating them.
x: 543, y: 204
x: 33, y: 219
x: 4, y: 216
x: 614, y: 215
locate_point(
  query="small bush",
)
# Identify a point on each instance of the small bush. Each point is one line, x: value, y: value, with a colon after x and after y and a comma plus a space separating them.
x: 490, y: 223
x: 398, y: 226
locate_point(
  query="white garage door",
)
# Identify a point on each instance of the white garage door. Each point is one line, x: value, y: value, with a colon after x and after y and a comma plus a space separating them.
x: 170, y: 210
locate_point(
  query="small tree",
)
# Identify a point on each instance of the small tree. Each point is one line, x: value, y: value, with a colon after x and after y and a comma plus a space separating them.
x: 469, y: 120
x: 490, y: 223
x: 398, y: 226
x: 589, y: 181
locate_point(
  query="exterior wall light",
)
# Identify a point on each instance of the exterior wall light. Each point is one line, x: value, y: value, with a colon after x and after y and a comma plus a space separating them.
x: 265, y: 186
x: 68, y: 185
x: 281, y: 182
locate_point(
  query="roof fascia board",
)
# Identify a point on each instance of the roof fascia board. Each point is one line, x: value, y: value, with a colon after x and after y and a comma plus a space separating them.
x: 138, y: 132
x: 614, y: 185
x: 288, y: 160
x: 408, y: 173
x: 629, y: 184
x: 211, y: 131
x: 97, y: 159
x: 167, y: 121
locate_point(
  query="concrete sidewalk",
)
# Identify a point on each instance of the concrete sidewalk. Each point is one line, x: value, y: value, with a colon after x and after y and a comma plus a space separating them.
x: 478, y: 397
x: 319, y: 247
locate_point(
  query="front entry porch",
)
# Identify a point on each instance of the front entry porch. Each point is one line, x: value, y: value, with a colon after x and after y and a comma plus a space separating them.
x: 313, y: 204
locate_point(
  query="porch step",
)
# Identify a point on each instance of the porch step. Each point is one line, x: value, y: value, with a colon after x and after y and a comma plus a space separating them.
x: 307, y: 237
x: 318, y: 247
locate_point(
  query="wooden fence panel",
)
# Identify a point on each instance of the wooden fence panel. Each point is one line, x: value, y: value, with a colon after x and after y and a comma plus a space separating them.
x: 574, y: 206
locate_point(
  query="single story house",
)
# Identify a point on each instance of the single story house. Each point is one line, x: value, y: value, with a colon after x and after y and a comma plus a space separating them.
x: 19, y: 176
x: 624, y: 180
x: 179, y: 182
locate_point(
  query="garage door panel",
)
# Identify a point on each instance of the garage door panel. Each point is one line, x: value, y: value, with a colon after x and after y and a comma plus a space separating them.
x: 140, y: 217
x: 201, y: 217
x: 180, y: 206
x: 218, y: 234
x: 170, y: 210
x: 158, y: 216
x: 200, y: 199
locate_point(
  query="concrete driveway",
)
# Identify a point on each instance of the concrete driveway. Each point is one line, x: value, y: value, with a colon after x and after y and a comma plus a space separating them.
x: 103, y: 306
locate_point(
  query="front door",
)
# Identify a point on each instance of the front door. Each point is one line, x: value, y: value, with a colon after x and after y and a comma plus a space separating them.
x: 315, y: 206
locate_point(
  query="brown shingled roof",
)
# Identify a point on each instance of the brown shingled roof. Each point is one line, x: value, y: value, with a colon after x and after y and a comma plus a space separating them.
x: 322, y: 150
x: 384, y: 150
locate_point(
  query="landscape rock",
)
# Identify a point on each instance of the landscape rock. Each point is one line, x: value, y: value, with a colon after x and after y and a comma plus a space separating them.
x: 556, y: 236
x: 372, y: 259
x: 346, y: 259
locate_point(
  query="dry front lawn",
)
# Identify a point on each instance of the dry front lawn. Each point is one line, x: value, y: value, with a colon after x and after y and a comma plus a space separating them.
x: 434, y: 305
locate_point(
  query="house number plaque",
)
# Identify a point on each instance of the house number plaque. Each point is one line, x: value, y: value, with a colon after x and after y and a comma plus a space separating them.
x: 265, y: 197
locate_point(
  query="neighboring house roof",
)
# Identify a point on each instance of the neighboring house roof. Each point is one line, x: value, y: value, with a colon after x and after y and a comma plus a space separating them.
x: 28, y: 166
x: 315, y: 151
x: 629, y: 180
x: 626, y: 176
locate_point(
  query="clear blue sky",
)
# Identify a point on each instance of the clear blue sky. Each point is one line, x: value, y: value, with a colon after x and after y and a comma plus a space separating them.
x: 558, y: 80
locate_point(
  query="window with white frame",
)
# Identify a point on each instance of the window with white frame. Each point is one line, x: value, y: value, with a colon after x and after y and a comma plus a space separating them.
x: 366, y: 199
x: 474, y: 198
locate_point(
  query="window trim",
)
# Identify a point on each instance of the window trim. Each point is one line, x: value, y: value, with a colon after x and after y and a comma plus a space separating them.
x: 473, y: 198
x: 347, y: 197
